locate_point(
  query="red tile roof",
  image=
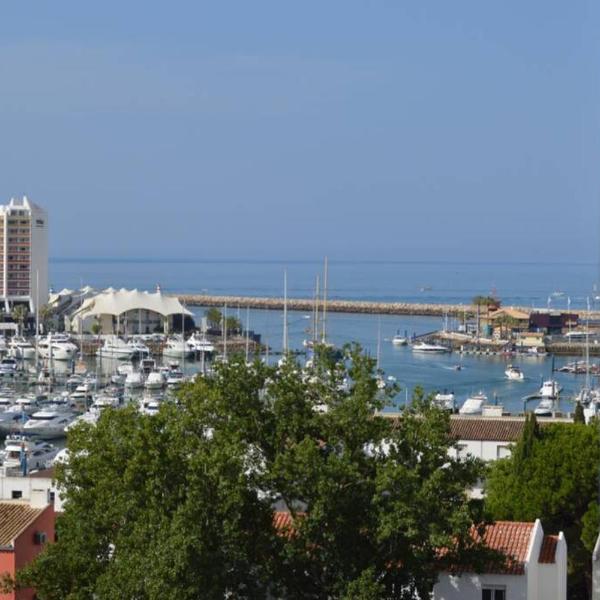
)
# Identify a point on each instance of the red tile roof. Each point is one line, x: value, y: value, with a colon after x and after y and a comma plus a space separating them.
x: 14, y: 519
x: 548, y: 550
x: 511, y: 538
x: 493, y: 429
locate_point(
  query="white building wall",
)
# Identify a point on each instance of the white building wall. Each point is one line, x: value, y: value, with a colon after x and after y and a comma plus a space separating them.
x: 29, y: 487
x: 468, y: 586
x: 39, y: 256
x: 484, y: 449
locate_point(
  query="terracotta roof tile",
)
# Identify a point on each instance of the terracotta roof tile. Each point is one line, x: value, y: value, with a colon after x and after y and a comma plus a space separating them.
x: 511, y: 538
x: 548, y: 549
x: 493, y: 430
x: 14, y: 519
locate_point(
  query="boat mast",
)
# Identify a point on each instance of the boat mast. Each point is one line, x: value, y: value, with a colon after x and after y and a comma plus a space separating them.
x: 183, y: 339
x: 316, y: 313
x: 37, y: 316
x: 247, y: 333
x: 285, y: 317
x: 225, y: 332
x: 378, y: 365
x: 587, y: 347
x: 324, y: 334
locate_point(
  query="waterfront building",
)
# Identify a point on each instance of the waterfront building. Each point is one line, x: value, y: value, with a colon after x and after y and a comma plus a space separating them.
x: 37, y: 484
x: 535, y: 567
x: 23, y: 254
x: 125, y: 312
x: 25, y: 528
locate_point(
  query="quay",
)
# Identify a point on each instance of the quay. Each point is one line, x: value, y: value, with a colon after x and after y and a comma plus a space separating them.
x: 333, y: 305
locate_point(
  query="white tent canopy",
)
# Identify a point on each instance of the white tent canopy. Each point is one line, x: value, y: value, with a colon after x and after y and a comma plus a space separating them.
x: 117, y: 302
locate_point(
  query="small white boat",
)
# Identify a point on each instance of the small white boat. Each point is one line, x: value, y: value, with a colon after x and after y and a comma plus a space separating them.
x: 115, y: 347
x: 154, y: 381
x: 139, y: 349
x: 21, y: 451
x: 134, y: 380
x: 201, y: 344
x: 544, y: 408
x: 8, y: 366
x: 149, y: 406
x: 19, y: 347
x: 473, y: 404
x: 550, y: 389
x: 445, y: 400
x: 14, y: 416
x: 57, y: 347
x: 177, y: 347
x: 429, y: 348
x: 514, y: 373
x: 49, y: 423
x: 399, y: 340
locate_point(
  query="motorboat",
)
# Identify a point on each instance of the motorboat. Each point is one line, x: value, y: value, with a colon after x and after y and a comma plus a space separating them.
x: 550, y: 389
x: 149, y: 406
x: 20, y: 451
x: 544, y: 408
x: 177, y: 347
x: 139, y: 349
x: 57, y: 348
x: 174, y: 375
x: 155, y: 381
x: 8, y: 366
x: 429, y: 348
x: 514, y: 373
x: 200, y: 344
x: 6, y: 402
x: 134, y: 380
x: 21, y: 348
x: 473, y: 405
x: 399, y: 340
x: 92, y: 415
x: 445, y: 400
x: 48, y: 423
x: 115, y: 347
x: 147, y: 365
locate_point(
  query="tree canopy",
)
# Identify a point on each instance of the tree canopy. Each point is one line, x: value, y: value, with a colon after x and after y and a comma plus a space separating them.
x: 181, y: 504
x: 553, y: 475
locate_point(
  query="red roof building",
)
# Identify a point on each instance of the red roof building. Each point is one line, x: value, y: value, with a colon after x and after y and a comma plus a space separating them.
x: 24, y: 530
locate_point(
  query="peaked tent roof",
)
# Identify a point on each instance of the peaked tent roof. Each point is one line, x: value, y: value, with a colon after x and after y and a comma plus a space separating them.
x: 117, y: 302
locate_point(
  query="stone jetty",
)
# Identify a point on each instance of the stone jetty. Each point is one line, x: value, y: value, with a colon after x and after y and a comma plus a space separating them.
x: 333, y: 305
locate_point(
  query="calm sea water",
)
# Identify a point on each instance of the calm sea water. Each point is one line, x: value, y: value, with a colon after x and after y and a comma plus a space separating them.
x: 522, y: 284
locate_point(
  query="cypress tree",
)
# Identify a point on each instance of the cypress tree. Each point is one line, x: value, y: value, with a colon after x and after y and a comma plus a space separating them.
x: 578, y: 417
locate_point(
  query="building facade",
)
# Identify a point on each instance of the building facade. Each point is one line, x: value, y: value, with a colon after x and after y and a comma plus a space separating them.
x: 23, y: 254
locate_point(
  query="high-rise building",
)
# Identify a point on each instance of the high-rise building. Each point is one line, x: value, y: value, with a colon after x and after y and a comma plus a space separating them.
x: 23, y: 254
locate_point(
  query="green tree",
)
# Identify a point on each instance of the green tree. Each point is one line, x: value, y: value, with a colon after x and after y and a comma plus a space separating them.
x: 552, y: 475
x: 233, y: 325
x: 180, y: 505
x: 19, y: 313
x: 213, y: 317
x: 579, y: 416
x: 46, y: 314
x: 486, y: 301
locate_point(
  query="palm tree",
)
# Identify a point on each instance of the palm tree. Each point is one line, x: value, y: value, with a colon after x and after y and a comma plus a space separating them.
x: 19, y: 314
x: 45, y: 314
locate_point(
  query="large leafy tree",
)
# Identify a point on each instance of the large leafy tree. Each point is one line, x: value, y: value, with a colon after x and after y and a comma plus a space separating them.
x: 553, y: 475
x: 180, y: 505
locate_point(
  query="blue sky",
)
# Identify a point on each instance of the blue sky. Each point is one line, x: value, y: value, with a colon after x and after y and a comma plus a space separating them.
x: 411, y: 130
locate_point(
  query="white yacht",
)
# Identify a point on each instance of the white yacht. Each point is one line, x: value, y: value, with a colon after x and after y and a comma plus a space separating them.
x: 514, y: 373
x: 57, y: 347
x: 550, y: 389
x: 134, y: 380
x: 177, y: 347
x: 92, y: 415
x: 8, y: 366
x: 175, y: 375
x: 200, y: 344
x: 21, y: 451
x: 6, y: 402
x: 15, y: 415
x: 154, y: 381
x: 140, y: 350
x: 544, y: 408
x: 149, y: 406
x: 473, y: 404
x: 429, y: 348
x: 115, y: 347
x: 399, y: 340
x: 19, y: 347
x: 48, y: 423
x: 445, y: 400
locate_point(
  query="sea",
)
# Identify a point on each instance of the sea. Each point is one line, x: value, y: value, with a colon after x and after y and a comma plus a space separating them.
x: 558, y: 286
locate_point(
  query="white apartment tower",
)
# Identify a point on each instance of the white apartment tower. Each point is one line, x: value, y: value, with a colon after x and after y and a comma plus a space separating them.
x: 23, y: 254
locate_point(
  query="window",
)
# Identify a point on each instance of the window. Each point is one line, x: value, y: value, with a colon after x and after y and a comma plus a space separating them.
x: 16, y: 494
x: 493, y: 592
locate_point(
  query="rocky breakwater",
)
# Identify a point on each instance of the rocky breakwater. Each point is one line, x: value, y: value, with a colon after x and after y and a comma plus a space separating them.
x: 333, y: 305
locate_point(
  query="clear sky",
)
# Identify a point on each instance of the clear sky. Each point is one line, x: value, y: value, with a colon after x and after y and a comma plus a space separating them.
x: 398, y: 129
